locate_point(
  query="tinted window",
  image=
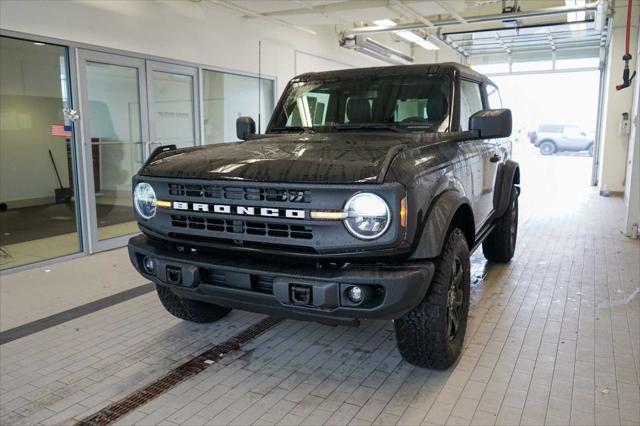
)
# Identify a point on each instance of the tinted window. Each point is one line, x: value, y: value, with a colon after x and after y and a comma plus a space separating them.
x: 470, y: 102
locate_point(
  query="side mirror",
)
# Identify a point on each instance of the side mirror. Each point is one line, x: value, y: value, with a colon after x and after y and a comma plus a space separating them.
x: 491, y: 123
x: 245, y: 127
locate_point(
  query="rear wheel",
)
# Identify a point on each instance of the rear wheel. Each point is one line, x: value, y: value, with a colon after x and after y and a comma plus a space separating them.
x: 500, y: 244
x: 431, y: 334
x: 190, y: 310
x: 547, y: 148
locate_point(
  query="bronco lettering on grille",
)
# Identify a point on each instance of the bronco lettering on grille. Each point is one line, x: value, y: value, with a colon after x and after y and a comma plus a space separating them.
x: 240, y: 210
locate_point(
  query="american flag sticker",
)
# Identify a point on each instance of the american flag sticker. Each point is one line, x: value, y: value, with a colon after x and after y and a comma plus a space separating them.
x: 61, y: 130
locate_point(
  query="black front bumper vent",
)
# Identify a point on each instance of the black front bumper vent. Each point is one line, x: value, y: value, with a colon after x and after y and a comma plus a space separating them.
x: 245, y: 281
x: 278, y: 230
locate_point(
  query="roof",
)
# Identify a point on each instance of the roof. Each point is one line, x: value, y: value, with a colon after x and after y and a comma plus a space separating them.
x: 420, y: 69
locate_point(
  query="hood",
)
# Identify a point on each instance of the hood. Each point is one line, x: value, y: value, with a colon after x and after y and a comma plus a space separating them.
x: 301, y: 158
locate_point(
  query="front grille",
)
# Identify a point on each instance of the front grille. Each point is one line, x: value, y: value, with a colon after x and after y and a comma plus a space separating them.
x: 240, y: 193
x: 277, y: 230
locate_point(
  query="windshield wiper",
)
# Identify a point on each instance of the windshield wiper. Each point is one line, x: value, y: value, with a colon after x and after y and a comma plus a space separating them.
x: 294, y: 129
x: 369, y: 126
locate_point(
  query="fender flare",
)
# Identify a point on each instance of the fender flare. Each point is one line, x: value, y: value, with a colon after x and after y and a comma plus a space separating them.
x: 433, y: 232
x: 508, y: 175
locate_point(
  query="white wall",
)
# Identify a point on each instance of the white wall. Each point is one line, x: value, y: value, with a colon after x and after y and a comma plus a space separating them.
x: 195, y: 32
x: 632, y: 180
x: 613, y: 144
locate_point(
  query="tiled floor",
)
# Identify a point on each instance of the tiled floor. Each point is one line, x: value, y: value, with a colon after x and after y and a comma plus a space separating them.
x: 40, y: 292
x: 554, y: 337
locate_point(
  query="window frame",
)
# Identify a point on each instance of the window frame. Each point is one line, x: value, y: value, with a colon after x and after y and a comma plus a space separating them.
x: 486, y: 93
x: 452, y: 109
x: 483, y: 99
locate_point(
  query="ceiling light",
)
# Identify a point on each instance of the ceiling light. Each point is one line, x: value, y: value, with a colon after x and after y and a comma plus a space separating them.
x: 410, y: 36
x: 415, y: 38
x: 376, y: 50
x: 385, y: 23
x: 37, y: 43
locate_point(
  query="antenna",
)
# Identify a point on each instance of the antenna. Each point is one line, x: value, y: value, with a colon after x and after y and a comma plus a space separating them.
x: 259, y: 85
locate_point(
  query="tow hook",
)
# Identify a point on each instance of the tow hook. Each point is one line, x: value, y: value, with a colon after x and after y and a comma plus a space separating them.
x: 300, y: 294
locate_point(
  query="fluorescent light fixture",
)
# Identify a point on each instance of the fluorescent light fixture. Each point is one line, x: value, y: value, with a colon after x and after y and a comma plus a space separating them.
x: 415, y: 38
x: 410, y: 36
x: 376, y: 50
x: 37, y: 43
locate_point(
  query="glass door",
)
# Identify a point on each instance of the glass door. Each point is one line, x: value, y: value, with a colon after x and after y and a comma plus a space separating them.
x: 173, y: 105
x: 115, y: 140
x: 39, y: 217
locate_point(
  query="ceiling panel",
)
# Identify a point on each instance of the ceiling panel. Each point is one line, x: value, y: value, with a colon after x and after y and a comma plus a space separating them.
x: 431, y: 8
x: 266, y: 6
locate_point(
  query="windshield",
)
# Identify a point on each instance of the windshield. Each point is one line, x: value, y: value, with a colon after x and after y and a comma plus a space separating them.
x: 405, y: 103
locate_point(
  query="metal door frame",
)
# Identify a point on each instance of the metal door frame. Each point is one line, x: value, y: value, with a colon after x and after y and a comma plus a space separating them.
x: 192, y: 72
x: 92, y: 243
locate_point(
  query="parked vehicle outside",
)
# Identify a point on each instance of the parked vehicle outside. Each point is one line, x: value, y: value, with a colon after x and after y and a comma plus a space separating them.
x: 363, y: 200
x: 552, y: 138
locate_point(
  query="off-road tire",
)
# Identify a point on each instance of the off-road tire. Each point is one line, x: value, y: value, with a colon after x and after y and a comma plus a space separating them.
x: 500, y: 244
x: 547, y: 147
x: 190, y: 310
x: 423, y: 334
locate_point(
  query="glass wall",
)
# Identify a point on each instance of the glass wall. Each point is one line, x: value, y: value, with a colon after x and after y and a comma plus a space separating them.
x: 129, y: 106
x: 37, y: 203
x: 228, y: 96
x: 173, y: 109
x: 116, y: 142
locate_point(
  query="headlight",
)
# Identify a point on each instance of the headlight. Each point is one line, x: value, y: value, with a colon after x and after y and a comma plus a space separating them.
x: 368, y: 216
x: 144, y: 199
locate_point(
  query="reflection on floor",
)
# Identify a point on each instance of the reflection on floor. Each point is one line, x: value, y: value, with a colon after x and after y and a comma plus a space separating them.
x: 117, y: 230
x: 34, y: 234
x: 19, y: 254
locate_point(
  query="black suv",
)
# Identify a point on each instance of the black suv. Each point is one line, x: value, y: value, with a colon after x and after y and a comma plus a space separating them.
x: 364, y: 199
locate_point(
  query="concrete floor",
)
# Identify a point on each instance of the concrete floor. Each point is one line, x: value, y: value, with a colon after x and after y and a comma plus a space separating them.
x: 553, y: 337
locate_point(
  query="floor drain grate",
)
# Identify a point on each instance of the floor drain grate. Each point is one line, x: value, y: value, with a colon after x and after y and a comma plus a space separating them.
x: 181, y: 373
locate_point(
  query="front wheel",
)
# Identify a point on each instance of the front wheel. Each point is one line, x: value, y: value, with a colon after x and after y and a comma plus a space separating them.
x: 431, y: 334
x: 190, y: 310
x: 500, y: 244
x: 547, y: 148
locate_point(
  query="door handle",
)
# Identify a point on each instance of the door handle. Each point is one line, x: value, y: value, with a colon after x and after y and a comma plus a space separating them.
x: 495, y: 158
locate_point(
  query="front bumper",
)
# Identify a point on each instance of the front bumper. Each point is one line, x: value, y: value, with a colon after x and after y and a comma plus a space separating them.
x: 300, y: 291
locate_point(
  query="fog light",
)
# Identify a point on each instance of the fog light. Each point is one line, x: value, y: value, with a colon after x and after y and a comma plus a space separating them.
x: 148, y: 265
x: 355, y: 294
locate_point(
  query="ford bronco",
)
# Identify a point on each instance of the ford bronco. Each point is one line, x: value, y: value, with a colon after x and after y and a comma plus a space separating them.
x: 552, y: 138
x: 363, y: 200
